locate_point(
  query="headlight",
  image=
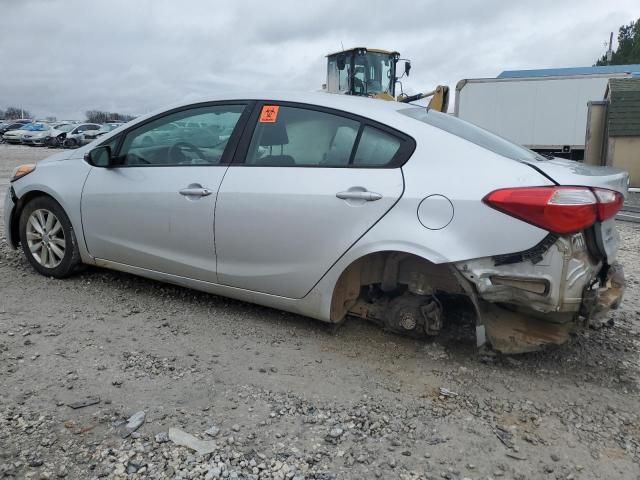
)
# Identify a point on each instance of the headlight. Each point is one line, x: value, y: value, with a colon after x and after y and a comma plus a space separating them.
x: 22, y: 170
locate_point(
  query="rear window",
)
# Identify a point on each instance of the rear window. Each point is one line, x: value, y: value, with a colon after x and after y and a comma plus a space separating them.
x: 472, y: 133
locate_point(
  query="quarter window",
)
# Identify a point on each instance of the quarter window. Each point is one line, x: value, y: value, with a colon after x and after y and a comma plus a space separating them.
x: 302, y: 138
x: 196, y: 136
x: 376, y: 148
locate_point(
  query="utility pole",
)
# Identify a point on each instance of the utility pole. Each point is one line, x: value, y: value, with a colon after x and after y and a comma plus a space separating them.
x: 610, y: 49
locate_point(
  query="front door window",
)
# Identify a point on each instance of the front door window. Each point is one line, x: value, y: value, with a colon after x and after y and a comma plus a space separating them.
x: 197, y: 136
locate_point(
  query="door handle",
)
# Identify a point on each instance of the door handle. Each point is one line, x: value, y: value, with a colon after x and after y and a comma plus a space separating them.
x: 359, y: 195
x: 195, y: 192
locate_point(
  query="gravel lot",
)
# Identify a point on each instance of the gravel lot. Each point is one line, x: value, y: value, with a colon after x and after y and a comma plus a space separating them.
x: 286, y: 397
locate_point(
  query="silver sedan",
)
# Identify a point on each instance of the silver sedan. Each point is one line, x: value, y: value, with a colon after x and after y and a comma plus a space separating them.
x: 333, y: 206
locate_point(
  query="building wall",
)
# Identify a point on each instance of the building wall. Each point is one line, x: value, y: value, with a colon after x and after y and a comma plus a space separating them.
x: 596, y: 124
x: 624, y: 153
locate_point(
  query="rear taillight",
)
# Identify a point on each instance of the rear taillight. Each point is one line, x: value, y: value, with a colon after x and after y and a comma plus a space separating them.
x: 609, y: 203
x: 559, y: 210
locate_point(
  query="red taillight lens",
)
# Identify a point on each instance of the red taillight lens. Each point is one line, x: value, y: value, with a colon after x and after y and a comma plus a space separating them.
x: 609, y: 203
x: 559, y: 210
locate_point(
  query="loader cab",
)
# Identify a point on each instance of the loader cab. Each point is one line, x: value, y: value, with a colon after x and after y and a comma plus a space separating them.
x: 363, y: 72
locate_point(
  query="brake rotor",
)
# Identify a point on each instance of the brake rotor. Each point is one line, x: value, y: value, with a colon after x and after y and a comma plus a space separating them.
x: 414, y: 315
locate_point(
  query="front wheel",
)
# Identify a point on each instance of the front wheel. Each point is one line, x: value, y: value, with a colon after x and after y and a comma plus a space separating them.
x: 48, y: 239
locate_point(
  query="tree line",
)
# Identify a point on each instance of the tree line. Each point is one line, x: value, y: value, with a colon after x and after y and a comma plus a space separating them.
x: 14, y: 113
x: 93, y: 116
x: 98, y: 116
x: 628, y: 51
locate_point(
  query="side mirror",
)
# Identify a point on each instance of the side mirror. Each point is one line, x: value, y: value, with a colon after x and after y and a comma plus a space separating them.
x: 407, y: 67
x: 341, y: 62
x: 99, y: 157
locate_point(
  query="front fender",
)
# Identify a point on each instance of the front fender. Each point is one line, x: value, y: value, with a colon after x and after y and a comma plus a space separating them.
x: 63, y: 181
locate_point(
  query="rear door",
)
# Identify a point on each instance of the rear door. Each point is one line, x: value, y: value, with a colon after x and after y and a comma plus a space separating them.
x: 306, y: 184
x: 155, y: 210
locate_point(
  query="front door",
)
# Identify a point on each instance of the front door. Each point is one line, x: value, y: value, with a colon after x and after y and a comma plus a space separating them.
x: 155, y: 210
x: 309, y: 185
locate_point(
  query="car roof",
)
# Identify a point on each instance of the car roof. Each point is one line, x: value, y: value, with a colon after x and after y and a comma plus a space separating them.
x: 375, y: 109
x: 383, y: 111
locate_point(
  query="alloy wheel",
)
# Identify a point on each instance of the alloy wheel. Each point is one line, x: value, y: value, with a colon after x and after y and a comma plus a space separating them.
x: 45, y: 238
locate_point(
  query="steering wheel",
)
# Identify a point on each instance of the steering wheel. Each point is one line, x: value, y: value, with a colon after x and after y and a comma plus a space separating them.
x: 175, y: 149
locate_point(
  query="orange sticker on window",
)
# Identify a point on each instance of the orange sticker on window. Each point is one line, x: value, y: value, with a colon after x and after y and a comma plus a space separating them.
x: 269, y: 114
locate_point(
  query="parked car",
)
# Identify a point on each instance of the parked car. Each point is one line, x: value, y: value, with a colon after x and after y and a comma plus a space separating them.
x: 74, y: 137
x: 40, y: 136
x: 90, y: 135
x: 331, y: 205
x: 15, y: 136
x: 58, y: 134
x: 8, y: 126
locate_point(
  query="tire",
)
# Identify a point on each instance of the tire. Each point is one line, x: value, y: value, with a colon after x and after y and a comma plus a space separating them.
x: 58, y: 255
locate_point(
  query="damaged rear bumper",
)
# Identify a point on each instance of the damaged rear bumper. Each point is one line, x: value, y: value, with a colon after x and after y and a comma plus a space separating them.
x: 534, y: 298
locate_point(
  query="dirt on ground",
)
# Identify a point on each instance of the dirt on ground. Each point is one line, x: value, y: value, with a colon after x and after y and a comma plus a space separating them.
x: 261, y: 394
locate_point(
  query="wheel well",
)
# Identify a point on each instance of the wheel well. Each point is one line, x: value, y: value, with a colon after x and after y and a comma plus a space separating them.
x: 15, y: 219
x: 389, y: 271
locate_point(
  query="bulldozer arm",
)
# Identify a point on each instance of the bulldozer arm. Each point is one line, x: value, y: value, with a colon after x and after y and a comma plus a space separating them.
x: 439, y: 98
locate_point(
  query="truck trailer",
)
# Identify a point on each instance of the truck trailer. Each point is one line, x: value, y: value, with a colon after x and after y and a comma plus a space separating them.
x: 545, y: 110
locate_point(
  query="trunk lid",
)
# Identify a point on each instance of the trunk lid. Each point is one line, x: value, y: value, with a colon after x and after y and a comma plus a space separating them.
x: 572, y: 173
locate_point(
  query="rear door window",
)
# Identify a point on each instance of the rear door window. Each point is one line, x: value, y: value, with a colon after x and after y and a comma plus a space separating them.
x: 297, y: 137
x: 291, y: 136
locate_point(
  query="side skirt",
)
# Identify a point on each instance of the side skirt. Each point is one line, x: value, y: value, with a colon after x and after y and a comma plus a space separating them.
x: 264, y: 299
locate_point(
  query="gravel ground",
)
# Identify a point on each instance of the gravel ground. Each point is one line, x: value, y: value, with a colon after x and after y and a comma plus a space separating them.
x: 272, y: 395
x: 633, y: 200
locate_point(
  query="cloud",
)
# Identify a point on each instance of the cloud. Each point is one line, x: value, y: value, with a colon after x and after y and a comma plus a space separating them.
x: 64, y: 57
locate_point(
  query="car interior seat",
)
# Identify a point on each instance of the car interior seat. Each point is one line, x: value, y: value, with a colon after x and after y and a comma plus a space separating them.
x: 274, y: 135
x: 341, y: 146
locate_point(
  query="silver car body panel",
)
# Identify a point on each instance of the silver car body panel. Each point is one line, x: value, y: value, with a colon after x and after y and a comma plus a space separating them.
x: 570, y: 172
x: 137, y: 216
x: 442, y: 164
x: 278, y: 230
x: 62, y: 180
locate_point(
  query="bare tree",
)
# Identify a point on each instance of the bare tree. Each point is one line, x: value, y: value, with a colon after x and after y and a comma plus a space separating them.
x: 13, y: 113
x: 98, y: 116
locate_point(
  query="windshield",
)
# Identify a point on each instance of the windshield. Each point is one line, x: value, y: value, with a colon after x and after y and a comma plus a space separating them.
x: 373, y: 74
x: 472, y: 133
x: 65, y: 128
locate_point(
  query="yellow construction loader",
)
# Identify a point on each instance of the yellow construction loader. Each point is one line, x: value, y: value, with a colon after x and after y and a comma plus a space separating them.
x: 372, y: 73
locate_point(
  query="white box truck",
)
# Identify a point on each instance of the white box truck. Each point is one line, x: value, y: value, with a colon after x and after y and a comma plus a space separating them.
x: 545, y: 111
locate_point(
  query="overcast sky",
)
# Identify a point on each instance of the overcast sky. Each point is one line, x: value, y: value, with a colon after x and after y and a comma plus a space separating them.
x: 63, y: 57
